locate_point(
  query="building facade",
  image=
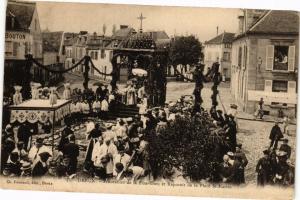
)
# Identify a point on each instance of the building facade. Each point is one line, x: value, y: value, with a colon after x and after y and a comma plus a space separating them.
x: 22, y: 36
x: 101, y: 55
x: 219, y: 49
x: 265, y: 61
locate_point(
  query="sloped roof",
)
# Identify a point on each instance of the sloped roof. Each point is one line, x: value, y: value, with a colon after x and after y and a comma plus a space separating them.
x: 277, y: 21
x: 52, y: 41
x: 22, y: 12
x: 96, y: 42
x: 123, y: 33
x: 222, y: 38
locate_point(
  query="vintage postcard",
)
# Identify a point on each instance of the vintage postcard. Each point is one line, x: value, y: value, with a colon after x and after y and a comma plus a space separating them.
x: 157, y: 100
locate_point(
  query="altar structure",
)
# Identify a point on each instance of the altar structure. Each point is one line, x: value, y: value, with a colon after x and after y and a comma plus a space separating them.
x: 39, y: 110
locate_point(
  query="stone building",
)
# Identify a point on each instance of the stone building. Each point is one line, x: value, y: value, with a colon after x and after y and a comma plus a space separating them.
x: 22, y: 36
x: 219, y: 49
x: 265, y: 61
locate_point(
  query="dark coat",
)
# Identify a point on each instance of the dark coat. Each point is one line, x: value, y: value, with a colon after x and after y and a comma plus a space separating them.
x: 286, y: 148
x: 276, y: 133
x: 39, y: 170
x: 263, y: 171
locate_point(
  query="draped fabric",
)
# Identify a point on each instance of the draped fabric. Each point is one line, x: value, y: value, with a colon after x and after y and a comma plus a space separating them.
x: 30, y: 112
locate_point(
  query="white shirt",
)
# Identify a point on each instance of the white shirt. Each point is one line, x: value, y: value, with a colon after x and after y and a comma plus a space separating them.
x: 141, y: 92
x: 101, y: 151
x: 138, y: 172
x: 85, y: 107
x: 125, y: 159
x: 73, y: 108
x: 77, y: 107
x: 121, y: 131
x: 34, y: 152
x: 104, y: 105
x: 111, y: 97
x: 96, y: 106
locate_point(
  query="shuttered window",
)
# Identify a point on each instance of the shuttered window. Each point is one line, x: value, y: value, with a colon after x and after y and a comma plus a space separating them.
x: 268, y: 85
x: 291, y: 58
x: 270, y: 57
x: 292, y: 87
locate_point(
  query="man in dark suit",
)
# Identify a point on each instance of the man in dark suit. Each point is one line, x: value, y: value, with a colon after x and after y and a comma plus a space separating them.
x: 275, y: 135
x: 263, y: 169
x: 286, y: 148
x: 71, y: 151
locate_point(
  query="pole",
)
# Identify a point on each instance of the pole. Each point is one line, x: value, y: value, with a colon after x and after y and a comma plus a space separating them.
x: 53, y: 121
x: 86, y: 72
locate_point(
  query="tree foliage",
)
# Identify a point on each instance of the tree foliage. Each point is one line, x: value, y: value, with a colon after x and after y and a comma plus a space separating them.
x: 185, y: 50
x: 191, y: 144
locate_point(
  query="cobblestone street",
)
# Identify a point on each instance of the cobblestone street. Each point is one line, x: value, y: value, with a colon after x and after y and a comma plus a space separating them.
x: 254, y: 135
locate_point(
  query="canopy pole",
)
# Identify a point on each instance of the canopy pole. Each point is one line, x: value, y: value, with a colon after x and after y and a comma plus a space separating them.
x: 53, y: 121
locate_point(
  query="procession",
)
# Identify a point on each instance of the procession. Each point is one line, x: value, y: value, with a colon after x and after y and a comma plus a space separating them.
x: 140, y: 107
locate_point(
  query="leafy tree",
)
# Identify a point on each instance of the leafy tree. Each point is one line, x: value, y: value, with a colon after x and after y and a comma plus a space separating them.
x: 191, y: 144
x: 185, y: 50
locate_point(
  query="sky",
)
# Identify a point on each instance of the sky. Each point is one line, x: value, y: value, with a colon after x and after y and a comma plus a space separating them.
x: 74, y: 17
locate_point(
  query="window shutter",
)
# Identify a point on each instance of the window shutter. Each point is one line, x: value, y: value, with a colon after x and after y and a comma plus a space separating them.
x: 292, y: 87
x: 268, y: 85
x: 270, y: 57
x: 291, y: 61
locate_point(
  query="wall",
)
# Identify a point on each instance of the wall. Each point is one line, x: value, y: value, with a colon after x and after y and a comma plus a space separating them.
x: 254, y: 72
x: 49, y: 58
x: 37, y: 41
x: 17, y: 44
x: 211, y: 54
x: 102, y: 64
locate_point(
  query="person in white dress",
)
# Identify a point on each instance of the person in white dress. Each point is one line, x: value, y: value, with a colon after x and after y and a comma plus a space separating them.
x: 96, y: 107
x: 67, y: 91
x: 85, y: 108
x: 131, y: 95
x: 17, y: 97
x: 102, y: 156
x: 104, y: 108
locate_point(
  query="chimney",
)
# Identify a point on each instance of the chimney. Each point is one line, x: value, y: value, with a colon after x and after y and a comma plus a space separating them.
x: 217, y: 30
x: 241, y: 24
x: 251, y: 16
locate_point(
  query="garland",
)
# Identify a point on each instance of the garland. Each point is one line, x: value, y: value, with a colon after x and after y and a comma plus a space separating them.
x: 30, y: 58
x: 95, y: 68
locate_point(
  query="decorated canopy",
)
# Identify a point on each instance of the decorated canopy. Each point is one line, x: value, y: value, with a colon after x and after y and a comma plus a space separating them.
x: 39, y: 110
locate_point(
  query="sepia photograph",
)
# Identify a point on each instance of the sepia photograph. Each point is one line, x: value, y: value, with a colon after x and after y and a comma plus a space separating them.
x: 141, y: 99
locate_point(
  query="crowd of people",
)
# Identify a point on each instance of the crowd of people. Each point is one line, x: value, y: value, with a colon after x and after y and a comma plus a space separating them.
x: 120, y: 150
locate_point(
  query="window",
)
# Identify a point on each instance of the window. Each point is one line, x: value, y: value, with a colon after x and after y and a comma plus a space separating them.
x: 102, y: 53
x: 226, y: 56
x: 279, y: 86
x: 281, y: 58
x: 227, y: 45
x: 240, y: 57
x: 209, y: 56
x: 15, y: 48
x: 92, y: 54
x: 110, y: 55
x: 8, y: 48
